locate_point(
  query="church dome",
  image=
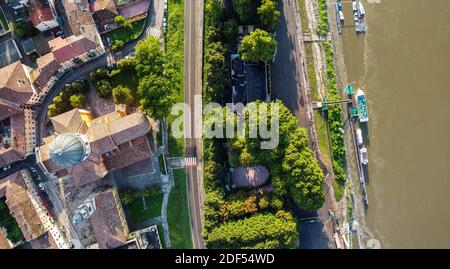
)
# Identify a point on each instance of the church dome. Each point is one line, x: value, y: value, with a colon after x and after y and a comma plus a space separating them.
x: 68, y: 150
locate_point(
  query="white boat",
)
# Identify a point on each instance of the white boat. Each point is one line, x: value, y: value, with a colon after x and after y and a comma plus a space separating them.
x: 361, y: 9
x: 359, y: 138
x: 341, y: 15
x: 364, y: 157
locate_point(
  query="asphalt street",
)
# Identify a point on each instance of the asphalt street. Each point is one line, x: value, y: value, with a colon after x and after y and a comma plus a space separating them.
x: 192, y: 85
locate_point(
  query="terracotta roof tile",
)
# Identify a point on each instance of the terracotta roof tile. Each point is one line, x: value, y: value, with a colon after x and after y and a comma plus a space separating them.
x: 107, y: 221
x: 40, y: 12
x: 14, y: 84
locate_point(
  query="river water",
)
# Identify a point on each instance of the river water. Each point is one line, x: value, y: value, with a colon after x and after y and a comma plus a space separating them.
x: 403, y: 64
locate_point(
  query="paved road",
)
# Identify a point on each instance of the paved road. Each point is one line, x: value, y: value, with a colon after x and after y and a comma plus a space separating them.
x: 192, y: 83
x: 289, y: 86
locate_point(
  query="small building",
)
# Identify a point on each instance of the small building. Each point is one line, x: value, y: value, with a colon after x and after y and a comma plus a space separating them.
x: 250, y: 176
x: 80, y: 20
x: 105, y: 12
x: 136, y: 10
x: 43, y: 15
x: 28, y: 45
x: 9, y: 53
x: 250, y: 81
x: 17, y: 4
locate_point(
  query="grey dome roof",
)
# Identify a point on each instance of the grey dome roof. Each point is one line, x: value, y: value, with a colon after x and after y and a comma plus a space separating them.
x: 67, y: 150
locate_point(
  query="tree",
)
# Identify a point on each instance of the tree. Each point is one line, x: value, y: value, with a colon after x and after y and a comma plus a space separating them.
x: 230, y: 30
x: 242, y: 8
x: 304, y: 176
x: 103, y: 88
x: 122, y: 22
x: 149, y: 57
x: 156, y: 95
x: 122, y: 95
x: 77, y: 100
x: 215, y: 71
x: 24, y: 29
x: 117, y: 44
x: 259, y: 45
x: 257, y: 231
x: 263, y: 203
x: 127, y: 64
x: 79, y: 86
x: 52, y: 111
x: 268, y: 13
x: 100, y: 73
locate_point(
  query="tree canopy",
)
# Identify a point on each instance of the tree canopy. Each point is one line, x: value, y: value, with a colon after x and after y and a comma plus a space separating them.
x: 156, y: 95
x: 242, y: 8
x: 268, y: 13
x: 122, y: 95
x: 258, y: 231
x: 294, y: 170
x: 149, y: 57
x: 259, y: 45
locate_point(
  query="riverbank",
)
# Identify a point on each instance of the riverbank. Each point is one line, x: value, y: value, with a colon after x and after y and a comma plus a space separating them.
x: 355, y: 209
x: 331, y: 78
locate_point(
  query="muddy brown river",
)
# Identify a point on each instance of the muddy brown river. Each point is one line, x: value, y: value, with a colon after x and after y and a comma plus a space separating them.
x: 403, y: 65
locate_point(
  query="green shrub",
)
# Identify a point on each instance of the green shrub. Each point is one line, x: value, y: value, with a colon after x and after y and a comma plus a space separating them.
x: 103, y: 88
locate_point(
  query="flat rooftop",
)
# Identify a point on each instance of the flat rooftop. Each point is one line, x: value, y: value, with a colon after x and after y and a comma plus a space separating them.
x: 248, y: 81
x: 9, y: 53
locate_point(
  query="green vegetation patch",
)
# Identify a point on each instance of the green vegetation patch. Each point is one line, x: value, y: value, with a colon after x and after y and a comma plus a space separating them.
x: 3, y: 22
x: 322, y: 28
x: 311, y: 71
x: 322, y: 137
x: 161, y: 235
x: 136, y: 210
x: 126, y: 34
x: 303, y: 16
x: 7, y: 222
x: 178, y: 213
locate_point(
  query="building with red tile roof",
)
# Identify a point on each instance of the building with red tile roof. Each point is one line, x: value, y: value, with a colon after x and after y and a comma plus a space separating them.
x: 42, y: 15
x: 63, y: 52
x: 108, y: 220
x: 88, y: 151
x: 15, y: 91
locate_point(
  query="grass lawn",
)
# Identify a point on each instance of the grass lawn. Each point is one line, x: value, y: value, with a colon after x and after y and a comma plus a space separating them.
x: 338, y: 190
x: 126, y: 34
x: 303, y: 16
x: 4, y: 24
x: 311, y: 71
x: 162, y: 168
x: 161, y: 235
x: 136, y: 208
x: 128, y: 79
x: 322, y: 137
x: 178, y: 213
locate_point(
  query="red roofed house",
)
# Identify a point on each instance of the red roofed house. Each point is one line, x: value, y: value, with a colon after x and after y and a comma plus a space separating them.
x: 63, y: 51
x: 105, y: 11
x: 42, y: 15
x: 15, y: 91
